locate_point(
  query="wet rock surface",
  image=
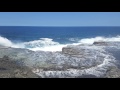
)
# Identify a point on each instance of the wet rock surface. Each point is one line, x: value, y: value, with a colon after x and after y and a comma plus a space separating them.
x: 79, y: 61
x: 100, y: 43
x: 113, y: 72
x: 10, y: 69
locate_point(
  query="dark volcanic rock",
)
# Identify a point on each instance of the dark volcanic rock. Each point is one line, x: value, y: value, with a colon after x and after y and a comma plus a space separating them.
x: 100, y: 43
x: 10, y: 69
x: 72, y: 50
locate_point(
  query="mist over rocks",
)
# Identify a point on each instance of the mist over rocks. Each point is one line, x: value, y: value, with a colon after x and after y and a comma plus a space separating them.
x: 73, y: 61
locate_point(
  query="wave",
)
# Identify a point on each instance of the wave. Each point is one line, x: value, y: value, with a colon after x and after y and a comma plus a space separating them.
x: 44, y: 44
x: 5, y: 42
x: 47, y: 44
x: 104, y: 39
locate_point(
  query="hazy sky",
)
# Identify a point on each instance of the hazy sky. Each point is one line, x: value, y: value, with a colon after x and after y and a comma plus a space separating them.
x: 59, y: 18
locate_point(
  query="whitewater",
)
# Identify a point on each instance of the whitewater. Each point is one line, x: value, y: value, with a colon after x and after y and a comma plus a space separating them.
x: 63, y: 51
x: 48, y: 44
x: 41, y: 57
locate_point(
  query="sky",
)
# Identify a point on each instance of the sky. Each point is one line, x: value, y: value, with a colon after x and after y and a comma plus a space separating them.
x: 59, y: 18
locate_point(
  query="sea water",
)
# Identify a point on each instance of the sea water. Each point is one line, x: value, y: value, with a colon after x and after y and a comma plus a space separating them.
x: 54, y: 38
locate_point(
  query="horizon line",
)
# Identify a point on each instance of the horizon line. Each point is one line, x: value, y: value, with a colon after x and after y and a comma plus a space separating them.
x: 58, y: 26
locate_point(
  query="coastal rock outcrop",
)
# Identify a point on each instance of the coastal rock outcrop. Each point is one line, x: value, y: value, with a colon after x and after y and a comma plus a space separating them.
x: 72, y: 51
x: 100, y: 43
x: 73, y: 61
x: 11, y: 69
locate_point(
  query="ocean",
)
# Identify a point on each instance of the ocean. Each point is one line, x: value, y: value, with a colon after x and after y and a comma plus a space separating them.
x: 93, y: 60
x: 54, y: 38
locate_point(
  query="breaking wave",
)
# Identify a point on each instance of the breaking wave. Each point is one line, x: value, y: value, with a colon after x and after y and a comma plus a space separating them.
x: 44, y: 44
x: 5, y: 41
x: 104, y: 39
x: 47, y: 44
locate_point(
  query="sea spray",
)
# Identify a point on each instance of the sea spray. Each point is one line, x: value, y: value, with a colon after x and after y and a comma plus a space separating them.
x: 48, y: 44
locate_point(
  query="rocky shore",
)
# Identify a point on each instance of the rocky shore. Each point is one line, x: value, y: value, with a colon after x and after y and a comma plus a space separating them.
x: 10, y: 69
x: 79, y: 61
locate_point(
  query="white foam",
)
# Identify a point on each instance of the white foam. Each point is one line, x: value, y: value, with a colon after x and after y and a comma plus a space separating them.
x: 40, y: 43
x: 47, y: 44
x: 44, y: 44
x: 92, y: 40
x: 49, y: 48
x: 98, y: 70
x: 5, y: 42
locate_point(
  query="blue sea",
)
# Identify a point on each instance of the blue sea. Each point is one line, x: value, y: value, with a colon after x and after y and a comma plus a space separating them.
x: 54, y: 38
